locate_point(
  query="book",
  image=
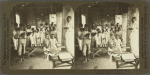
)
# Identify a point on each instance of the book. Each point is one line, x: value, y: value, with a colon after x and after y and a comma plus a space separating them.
x: 128, y: 57
x: 65, y: 56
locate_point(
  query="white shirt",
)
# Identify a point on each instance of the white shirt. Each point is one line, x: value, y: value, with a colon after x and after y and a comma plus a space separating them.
x: 28, y: 30
x: 38, y: 34
x: 70, y: 26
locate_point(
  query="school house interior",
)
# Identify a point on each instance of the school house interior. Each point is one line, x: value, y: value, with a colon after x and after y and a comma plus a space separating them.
x: 107, y: 36
x: 42, y: 36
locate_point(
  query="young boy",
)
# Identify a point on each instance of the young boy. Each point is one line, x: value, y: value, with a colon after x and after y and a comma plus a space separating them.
x: 22, y: 43
x: 86, y: 45
x: 15, y: 36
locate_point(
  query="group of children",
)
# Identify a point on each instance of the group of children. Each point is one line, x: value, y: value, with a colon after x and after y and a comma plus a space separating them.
x: 25, y: 37
x: 99, y: 38
x: 37, y: 36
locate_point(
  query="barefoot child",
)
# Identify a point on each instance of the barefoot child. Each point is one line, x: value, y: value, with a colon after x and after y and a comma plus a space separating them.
x: 53, y: 43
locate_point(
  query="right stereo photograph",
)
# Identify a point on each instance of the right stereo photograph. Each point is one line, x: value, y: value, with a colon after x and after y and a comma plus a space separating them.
x: 107, y: 36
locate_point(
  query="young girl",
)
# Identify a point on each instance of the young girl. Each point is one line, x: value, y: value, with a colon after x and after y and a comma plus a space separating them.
x: 54, y: 31
x: 38, y: 38
x: 53, y: 42
x: 93, y: 38
x: 33, y: 37
x: 100, y: 38
x: 118, y: 43
x: 111, y: 46
x: 103, y: 38
x: 42, y: 34
x: 86, y: 47
x: 46, y: 45
x: 107, y: 34
x: 80, y: 38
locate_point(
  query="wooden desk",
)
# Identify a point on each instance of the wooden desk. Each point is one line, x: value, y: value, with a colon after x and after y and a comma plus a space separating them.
x: 118, y: 59
x: 61, y: 61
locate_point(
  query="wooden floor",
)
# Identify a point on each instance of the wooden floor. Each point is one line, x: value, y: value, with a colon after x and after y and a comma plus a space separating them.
x: 37, y: 62
x: 34, y: 62
x: 100, y: 62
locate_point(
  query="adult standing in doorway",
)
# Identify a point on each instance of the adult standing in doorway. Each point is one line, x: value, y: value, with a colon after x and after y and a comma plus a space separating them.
x: 69, y: 35
x: 134, y: 36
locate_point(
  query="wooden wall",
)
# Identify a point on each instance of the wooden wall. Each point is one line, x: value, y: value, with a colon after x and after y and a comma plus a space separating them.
x: 36, y: 15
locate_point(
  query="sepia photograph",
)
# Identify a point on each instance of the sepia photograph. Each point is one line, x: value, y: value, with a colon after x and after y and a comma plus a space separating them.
x: 107, y: 36
x: 75, y: 37
x: 42, y: 36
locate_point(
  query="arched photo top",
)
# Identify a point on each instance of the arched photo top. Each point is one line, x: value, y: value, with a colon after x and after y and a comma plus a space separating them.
x: 48, y: 26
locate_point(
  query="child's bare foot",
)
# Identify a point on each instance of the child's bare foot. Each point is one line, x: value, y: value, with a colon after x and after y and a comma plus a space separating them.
x: 84, y: 61
x: 19, y: 60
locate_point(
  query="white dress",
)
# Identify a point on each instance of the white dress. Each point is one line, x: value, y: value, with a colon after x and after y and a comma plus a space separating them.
x: 33, y: 38
x: 38, y: 38
x: 42, y: 36
x: 118, y: 44
x: 107, y: 36
x: 103, y: 38
x: 134, y: 36
x: 69, y: 35
x: 53, y: 43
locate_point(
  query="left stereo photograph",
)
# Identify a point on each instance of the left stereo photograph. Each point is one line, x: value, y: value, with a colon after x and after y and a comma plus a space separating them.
x: 42, y: 36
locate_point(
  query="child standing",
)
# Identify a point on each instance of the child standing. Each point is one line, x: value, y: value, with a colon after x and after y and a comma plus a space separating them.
x: 38, y: 38
x: 42, y: 35
x: 100, y: 38
x: 22, y: 43
x: 46, y: 45
x: 53, y: 43
x: 80, y: 38
x: 33, y: 37
x: 107, y: 34
x: 118, y: 43
x: 103, y: 38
